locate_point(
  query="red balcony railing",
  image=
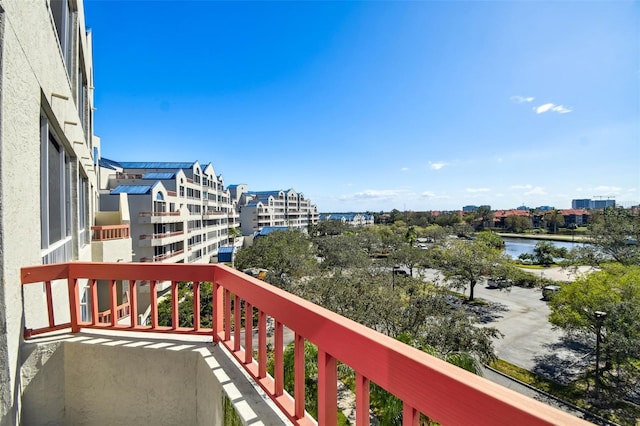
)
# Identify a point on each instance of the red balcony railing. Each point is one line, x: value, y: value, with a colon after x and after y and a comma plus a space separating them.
x: 161, y: 257
x: 122, y: 312
x: 110, y: 232
x: 443, y: 392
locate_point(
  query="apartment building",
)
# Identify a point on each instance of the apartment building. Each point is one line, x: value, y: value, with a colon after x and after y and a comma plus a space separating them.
x: 180, y: 212
x: 353, y: 219
x: 279, y: 208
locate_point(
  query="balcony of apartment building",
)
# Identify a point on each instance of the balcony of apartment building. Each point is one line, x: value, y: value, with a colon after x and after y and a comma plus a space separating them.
x: 212, y: 370
x: 159, y: 214
x: 161, y: 238
x: 111, y: 235
x: 169, y: 253
x: 212, y: 214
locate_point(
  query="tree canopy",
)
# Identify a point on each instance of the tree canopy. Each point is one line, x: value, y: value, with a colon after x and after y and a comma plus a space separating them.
x: 615, y: 291
x: 287, y: 255
x: 465, y: 263
x: 616, y: 234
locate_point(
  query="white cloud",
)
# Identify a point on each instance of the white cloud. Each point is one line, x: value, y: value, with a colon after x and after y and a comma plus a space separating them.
x: 604, y: 189
x: 543, y: 108
x: 433, y: 195
x: 475, y: 190
x: 522, y: 99
x: 376, y: 194
x: 527, y: 186
x: 404, y: 169
x: 437, y: 166
x: 538, y: 190
x: 560, y: 109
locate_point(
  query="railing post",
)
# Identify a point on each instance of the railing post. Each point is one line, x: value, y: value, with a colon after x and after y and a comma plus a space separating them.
x: 362, y: 400
x: 217, y: 302
x: 113, y: 293
x: 153, y: 301
x: 227, y: 315
x: 237, y: 320
x: 298, y: 384
x: 327, y: 389
x: 133, y: 304
x: 196, y: 305
x: 248, y: 333
x: 278, y: 359
x: 410, y: 416
x: 47, y: 286
x: 175, y: 321
x: 73, y: 304
x: 93, y: 288
x: 262, y: 344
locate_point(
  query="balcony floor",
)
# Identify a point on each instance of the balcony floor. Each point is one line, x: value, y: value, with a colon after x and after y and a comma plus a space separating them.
x: 102, y: 378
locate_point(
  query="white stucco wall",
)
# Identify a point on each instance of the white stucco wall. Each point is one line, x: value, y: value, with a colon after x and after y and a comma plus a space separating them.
x: 32, y: 71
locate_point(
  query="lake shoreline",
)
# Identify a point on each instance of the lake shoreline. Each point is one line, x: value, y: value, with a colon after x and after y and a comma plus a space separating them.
x: 549, y: 237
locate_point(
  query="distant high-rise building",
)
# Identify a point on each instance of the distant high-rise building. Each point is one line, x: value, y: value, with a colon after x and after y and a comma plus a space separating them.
x: 581, y: 204
x: 588, y: 203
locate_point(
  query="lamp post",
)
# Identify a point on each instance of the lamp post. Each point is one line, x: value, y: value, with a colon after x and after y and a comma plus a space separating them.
x: 600, y: 316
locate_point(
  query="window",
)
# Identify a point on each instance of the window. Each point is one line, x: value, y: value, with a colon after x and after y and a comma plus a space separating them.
x: 63, y: 18
x: 83, y: 214
x: 55, y: 194
x: 82, y: 96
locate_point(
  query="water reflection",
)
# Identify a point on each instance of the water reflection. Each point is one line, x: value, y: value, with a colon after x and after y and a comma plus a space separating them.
x: 514, y: 247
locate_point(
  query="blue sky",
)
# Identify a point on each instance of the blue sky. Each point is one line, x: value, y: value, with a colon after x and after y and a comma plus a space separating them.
x: 376, y: 105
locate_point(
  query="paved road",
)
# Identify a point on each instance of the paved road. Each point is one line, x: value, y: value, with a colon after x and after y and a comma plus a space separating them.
x: 529, y: 340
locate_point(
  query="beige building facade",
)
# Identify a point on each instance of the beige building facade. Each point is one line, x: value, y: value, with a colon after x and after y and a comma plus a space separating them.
x: 48, y: 184
x: 266, y: 209
x: 179, y: 212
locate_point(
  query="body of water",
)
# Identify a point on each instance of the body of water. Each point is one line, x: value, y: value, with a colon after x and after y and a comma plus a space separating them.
x: 516, y: 246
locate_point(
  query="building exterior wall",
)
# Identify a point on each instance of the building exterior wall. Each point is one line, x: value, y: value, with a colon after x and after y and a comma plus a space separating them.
x: 201, y: 211
x: 262, y: 209
x: 44, y: 88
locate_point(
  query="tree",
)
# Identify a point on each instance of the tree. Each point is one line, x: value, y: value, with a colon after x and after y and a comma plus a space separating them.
x: 516, y: 223
x: 545, y: 252
x: 616, y: 291
x: 342, y: 251
x: 407, y: 256
x: 491, y: 239
x: 554, y: 220
x: 185, y: 306
x: 330, y: 227
x: 287, y: 255
x: 465, y: 263
x: 485, y: 216
x: 616, y: 234
x: 436, y: 233
x: 447, y: 219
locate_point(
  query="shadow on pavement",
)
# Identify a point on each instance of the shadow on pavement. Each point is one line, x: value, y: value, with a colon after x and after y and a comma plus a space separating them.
x: 487, y: 313
x: 567, y: 359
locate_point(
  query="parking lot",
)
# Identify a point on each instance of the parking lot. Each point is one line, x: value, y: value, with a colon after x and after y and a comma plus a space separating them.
x: 529, y: 340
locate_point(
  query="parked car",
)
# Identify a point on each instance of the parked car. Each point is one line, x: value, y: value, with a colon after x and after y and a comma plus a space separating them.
x: 549, y: 291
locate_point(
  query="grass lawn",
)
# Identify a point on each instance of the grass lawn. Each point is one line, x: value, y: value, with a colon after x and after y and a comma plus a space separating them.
x: 575, y: 393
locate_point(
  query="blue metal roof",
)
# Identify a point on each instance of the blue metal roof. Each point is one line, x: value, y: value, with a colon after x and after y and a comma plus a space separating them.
x: 226, y: 250
x: 108, y: 164
x: 152, y: 165
x: 132, y: 189
x: 269, y: 229
x: 159, y: 175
